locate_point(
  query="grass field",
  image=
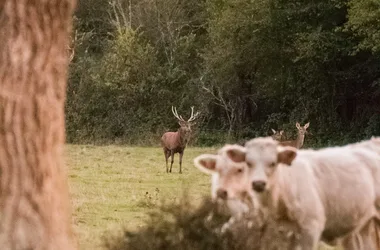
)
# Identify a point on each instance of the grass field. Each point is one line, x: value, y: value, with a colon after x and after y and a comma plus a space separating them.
x: 114, y: 187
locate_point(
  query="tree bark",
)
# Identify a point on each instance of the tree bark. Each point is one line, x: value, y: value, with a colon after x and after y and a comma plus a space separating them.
x: 34, y: 199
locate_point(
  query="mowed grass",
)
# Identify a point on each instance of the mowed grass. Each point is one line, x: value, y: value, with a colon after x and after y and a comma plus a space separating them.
x: 114, y: 187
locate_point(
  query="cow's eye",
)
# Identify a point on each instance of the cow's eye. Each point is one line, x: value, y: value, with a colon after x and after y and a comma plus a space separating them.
x: 272, y: 165
x: 240, y: 170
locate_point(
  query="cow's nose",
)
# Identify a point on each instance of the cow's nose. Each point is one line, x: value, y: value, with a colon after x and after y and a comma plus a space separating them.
x: 221, y: 193
x: 258, y: 186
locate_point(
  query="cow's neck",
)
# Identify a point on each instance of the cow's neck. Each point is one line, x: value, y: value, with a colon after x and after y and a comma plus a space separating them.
x: 278, y: 199
x: 276, y: 205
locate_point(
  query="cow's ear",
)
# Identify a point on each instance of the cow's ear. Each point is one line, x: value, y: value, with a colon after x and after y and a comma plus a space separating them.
x: 235, y: 152
x: 286, y: 155
x: 206, y: 163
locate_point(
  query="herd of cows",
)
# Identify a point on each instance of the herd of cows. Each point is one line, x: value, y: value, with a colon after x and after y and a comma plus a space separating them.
x: 330, y: 194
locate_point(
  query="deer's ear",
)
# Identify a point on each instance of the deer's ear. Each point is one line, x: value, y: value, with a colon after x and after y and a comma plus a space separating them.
x: 206, y: 163
x: 274, y: 131
x: 235, y: 152
x: 281, y: 132
x: 306, y: 125
x: 298, y: 125
x: 286, y: 155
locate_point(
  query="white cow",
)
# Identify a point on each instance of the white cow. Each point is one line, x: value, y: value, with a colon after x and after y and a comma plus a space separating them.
x: 226, y: 182
x: 329, y: 194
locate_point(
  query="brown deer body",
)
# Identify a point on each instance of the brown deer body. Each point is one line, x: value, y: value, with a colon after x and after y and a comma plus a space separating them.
x: 297, y: 143
x: 175, y: 142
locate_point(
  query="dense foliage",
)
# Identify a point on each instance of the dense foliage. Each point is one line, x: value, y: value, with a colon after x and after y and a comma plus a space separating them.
x: 247, y: 65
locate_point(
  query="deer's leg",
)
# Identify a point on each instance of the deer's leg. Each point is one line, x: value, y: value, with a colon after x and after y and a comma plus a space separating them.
x: 166, y: 152
x: 180, y: 162
x: 172, y: 160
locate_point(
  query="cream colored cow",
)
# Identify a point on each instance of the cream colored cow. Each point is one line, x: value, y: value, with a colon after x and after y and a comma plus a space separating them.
x: 226, y: 179
x: 329, y: 194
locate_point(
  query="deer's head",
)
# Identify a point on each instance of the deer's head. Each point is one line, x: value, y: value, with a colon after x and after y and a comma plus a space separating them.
x: 185, y: 129
x: 302, y: 130
x: 277, y: 135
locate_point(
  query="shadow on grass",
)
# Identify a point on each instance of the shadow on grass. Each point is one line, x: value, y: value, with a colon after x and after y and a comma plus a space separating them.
x: 184, y: 226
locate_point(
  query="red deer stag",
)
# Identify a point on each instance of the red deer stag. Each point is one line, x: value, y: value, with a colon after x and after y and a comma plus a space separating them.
x: 175, y: 142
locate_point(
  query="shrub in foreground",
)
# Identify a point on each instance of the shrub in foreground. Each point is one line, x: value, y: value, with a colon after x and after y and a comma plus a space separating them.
x: 184, y: 226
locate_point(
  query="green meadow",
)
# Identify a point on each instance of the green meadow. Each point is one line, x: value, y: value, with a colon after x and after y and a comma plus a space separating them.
x: 114, y: 187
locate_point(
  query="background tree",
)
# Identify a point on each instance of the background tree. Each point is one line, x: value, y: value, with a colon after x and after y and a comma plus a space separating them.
x: 249, y: 66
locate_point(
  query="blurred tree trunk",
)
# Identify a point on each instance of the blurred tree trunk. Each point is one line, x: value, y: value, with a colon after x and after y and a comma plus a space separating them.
x: 34, y: 200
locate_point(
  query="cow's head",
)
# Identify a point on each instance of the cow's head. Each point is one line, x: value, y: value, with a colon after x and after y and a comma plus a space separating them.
x: 263, y: 156
x: 229, y: 177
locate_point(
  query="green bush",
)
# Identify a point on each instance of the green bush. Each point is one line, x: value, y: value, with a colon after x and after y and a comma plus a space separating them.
x: 188, y: 227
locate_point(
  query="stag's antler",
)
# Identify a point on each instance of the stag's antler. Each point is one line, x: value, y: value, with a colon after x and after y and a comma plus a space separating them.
x: 180, y: 118
x: 193, y: 117
x: 175, y: 113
